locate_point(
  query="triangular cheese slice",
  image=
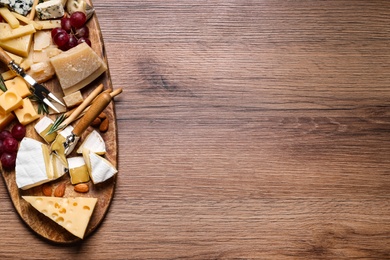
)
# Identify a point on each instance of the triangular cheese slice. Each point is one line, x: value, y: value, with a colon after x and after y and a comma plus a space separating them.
x: 73, y: 214
x: 99, y: 168
x: 31, y: 164
x: 93, y: 142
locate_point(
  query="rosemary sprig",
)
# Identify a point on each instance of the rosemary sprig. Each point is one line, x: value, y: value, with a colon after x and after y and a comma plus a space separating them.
x: 57, y: 123
x: 42, y: 107
x: 2, y: 84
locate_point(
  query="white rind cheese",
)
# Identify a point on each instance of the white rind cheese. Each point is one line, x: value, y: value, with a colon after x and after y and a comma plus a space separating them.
x: 50, y: 10
x: 99, y: 168
x: 73, y: 214
x: 93, y: 142
x: 30, y: 169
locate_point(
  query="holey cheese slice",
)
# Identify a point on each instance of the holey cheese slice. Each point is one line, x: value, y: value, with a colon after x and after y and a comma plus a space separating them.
x: 77, y: 67
x: 73, y: 214
x: 35, y: 165
x: 99, y: 168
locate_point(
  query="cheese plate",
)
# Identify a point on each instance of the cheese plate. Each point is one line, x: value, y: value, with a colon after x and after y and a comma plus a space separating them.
x: 103, y: 192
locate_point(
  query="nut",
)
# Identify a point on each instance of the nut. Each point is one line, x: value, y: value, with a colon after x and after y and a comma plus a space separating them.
x: 102, y: 115
x: 60, y: 190
x: 104, y: 126
x: 47, y: 189
x: 81, y: 187
x: 96, y: 122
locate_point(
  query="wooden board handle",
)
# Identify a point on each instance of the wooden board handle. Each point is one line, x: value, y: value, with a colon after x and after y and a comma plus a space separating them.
x: 4, y: 57
x: 96, y: 108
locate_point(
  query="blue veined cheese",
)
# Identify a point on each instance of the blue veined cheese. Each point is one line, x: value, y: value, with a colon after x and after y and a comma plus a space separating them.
x: 22, y: 7
x: 50, y: 10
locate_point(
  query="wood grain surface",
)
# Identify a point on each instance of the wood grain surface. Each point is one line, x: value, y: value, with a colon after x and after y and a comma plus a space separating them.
x: 247, y: 129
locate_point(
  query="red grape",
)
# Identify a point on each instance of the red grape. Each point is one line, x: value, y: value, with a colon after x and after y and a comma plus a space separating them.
x: 61, y: 39
x: 82, y: 32
x: 78, y: 19
x: 4, y: 134
x: 56, y: 30
x: 72, y: 41
x: 10, y: 145
x: 8, y: 161
x: 86, y: 40
x: 18, y: 131
x: 66, y: 24
x: 1, y: 148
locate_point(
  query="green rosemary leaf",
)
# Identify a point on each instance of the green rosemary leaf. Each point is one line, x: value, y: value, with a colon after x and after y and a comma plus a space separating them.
x: 2, y: 84
x: 57, y: 123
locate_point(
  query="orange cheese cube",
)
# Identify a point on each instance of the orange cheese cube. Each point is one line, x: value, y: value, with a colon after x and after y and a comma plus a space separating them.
x: 10, y: 101
x: 26, y: 113
x: 19, y: 85
x: 5, y: 119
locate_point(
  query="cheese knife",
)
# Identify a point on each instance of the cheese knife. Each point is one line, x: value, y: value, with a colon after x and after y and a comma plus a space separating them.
x: 39, y: 90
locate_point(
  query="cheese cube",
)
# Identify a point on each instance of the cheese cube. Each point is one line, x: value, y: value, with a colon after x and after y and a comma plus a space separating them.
x: 73, y: 214
x: 19, y: 85
x: 76, y: 67
x: 73, y: 99
x: 26, y: 113
x: 43, y: 127
x: 5, y: 120
x: 78, y: 170
x: 19, y: 46
x: 50, y: 10
x: 10, y: 101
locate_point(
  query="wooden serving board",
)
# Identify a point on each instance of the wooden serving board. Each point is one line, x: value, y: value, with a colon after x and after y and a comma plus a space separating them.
x: 104, y: 192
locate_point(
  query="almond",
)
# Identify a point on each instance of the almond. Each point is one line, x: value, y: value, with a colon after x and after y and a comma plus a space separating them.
x: 102, y: 115
x: 47, y: 189
x: 60, y: 190
x: 81, y: 187
x: 104, y: 126
x: 96, y: 122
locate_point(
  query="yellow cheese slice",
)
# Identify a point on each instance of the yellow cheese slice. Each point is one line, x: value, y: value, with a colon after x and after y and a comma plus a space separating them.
x: 75, y: 67
x: 9, y: 18
x: 73, y: 214
x: 19, y: 46
x: 7, y: 33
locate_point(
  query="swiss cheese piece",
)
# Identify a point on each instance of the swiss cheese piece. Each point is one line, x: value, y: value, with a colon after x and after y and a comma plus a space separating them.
x: 19, y: 46
x: 5, y: 119
x: 7, y: 33
x: 78, y: 170
x: 31, y: 164
x: 10, y: 101
x: 73, y: 214
x: 99, y: 168
x: 43, y: 126
x: 19, y: 85
x: 26, y: 113
x: 94, y: 143
x: 75, y: 66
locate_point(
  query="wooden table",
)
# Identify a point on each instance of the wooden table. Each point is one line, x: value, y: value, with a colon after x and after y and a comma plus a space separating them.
x: 247, y: 129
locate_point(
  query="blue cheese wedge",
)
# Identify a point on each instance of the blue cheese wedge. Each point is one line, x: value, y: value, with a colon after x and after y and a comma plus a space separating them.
x: 50, y: 10
x: 22, y: 7
x: 73, y: 214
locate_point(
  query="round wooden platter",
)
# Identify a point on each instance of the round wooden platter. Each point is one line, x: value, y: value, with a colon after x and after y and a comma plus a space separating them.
x: 104, y: 192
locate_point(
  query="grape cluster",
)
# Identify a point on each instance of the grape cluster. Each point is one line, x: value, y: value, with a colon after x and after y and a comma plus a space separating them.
x: 9, y: 145
x: 72, y: 32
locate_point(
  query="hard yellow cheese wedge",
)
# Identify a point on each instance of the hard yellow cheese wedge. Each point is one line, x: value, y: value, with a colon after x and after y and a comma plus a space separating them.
x: 19, y: 46
x: 73, y: 214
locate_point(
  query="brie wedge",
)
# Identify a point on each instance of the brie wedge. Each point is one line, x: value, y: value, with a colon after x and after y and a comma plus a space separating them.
x: 35, y: 165
x: 99, y: 168
x: 73, y: 214
x: 93, y: 142
x: 43, y: 127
